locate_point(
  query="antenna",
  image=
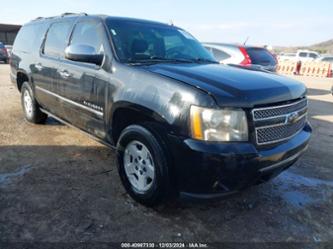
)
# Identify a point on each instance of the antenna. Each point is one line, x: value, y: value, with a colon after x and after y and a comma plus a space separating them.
x: 247, y: 38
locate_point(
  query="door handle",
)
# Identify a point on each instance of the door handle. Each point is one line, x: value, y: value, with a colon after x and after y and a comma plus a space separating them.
x: 65, y: 74
x: 39, y: 67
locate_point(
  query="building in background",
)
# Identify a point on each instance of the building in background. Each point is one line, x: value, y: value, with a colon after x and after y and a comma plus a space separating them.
x: 8, y: 33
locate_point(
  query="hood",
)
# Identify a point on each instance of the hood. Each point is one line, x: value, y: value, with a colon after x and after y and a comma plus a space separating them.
x: 231, y: 86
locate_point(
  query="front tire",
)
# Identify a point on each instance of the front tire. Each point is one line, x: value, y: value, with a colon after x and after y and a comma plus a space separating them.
x: 143, y: 165
x: 30, y: 106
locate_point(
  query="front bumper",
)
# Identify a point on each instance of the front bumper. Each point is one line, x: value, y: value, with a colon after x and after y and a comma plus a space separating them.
x: 207, y: 169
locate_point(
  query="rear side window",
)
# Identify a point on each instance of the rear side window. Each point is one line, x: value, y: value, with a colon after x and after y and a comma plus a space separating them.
x: 56, y: 39
x: 220, y: 55
x: 89, y: 33
x: 261, y: 56
x: 30, y: 38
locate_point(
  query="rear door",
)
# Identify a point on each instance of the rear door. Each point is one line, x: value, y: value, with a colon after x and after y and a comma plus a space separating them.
x: 46, y: 68
x: 83, y: 85
x: 263, y: 58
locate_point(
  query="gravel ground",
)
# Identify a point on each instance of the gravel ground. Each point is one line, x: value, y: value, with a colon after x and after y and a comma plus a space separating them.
x: 58, y: 185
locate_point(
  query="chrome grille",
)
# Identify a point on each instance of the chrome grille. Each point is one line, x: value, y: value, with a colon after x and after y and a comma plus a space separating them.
x: 278, y: 123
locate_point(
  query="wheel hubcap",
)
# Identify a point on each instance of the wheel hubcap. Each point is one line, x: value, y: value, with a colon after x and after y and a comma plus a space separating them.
x: 27, y: 103
x: 139, y: 166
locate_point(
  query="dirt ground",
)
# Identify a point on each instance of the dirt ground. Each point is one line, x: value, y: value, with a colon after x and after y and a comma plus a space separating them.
x: 58, y: 185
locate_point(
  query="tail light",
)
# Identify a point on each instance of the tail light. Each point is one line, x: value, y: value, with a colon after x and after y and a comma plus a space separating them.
x: 247, y: 59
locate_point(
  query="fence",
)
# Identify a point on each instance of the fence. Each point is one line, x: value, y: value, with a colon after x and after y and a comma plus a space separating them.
x: 311, y: 68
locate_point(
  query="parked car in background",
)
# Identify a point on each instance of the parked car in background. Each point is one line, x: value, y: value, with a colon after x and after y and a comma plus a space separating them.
x: 286, y: 56
x: 326, y: 58
x: 9, y: 50
x: 300, y: 55
x: 306, y: 55
x: 256, y: 57
x: 3, y: 53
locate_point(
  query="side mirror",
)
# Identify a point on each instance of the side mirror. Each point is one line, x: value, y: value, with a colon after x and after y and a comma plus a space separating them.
x: 83, y: 53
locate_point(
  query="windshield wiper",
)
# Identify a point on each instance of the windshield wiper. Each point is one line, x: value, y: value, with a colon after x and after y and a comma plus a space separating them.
x: 205, y: 60
x: 155, y: 59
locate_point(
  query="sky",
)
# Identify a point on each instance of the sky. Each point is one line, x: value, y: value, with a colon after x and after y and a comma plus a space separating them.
x: 283, y: 23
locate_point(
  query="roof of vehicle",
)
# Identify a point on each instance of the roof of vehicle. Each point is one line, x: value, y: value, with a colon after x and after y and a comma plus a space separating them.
x: 101, y: 16
x: 306, y: 51
x: 129, y: 19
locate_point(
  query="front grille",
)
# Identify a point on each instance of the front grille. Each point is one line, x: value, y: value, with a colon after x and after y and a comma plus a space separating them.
x: 278, y: 123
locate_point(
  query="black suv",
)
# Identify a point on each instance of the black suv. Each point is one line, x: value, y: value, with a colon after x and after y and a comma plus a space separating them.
x: 180, y: 122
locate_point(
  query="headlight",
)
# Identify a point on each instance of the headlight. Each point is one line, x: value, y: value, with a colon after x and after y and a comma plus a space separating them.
x: 218, y: 125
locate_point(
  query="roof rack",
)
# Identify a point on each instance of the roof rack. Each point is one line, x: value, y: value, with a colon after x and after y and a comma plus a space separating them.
x: 62, y: 15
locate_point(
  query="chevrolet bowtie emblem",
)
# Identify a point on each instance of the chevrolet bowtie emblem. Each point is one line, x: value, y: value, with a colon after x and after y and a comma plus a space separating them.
x: 292, y: 118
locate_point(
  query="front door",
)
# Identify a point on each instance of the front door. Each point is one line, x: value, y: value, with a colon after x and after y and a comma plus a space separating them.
x: 83, y: 85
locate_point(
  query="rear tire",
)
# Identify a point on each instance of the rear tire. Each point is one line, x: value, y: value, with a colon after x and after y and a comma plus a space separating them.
x: 135, y: 141
x: 30, y: 106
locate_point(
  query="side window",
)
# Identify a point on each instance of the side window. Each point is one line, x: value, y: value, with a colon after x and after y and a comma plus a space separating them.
x: 302, y: 54
x: 220, y: 55
x: 89, y: 33
x: 30, y: 37
x: 56, y: 39
x: 312, y: 55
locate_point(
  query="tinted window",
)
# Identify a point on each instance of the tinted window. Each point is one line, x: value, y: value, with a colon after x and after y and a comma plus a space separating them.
x: 89, y: 33
x: 56, y: 40
x: 30, y: 37
x: 261, y: 56
x: 220, y: 55
x: 136, y: 41
x: 328, y: 59
x: 303, y: 54
x: 314, y: 56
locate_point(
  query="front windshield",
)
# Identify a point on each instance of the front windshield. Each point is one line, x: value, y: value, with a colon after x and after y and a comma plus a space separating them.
x: 139, y: 42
